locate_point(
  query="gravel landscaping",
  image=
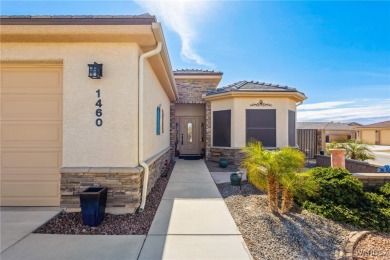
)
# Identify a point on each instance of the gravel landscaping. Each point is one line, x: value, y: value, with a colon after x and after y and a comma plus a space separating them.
x: 126, y: 224
x: 373, y: 246
x: 214, y: 167
x: 297, y: 235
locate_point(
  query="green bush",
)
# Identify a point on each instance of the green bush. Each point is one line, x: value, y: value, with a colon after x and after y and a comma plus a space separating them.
x: 385, y: 190
x: 341, y: 198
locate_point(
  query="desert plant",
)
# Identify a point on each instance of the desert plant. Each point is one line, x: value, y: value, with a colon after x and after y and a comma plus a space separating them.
x: 288, y: 161
x: 385, y: 190
x: 262, y: 170
x: 268, y: 169
x: 341, y: 198
x: 355, y: 150
x: 298, y: 185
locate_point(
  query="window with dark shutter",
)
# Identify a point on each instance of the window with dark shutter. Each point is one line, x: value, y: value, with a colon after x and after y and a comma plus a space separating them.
x: 261, y: 126
x: 291, y: 128
x: 222, y: 128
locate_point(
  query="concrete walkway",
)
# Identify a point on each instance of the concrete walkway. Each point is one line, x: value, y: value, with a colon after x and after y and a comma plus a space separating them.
x: 17, y: 241
x: 193, y: 221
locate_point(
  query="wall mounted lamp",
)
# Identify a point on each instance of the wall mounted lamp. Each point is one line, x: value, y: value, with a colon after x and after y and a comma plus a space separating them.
x: 95, y: 70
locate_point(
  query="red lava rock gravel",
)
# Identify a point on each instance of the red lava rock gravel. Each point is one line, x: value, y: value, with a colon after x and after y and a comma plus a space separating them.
x: 126, y: 224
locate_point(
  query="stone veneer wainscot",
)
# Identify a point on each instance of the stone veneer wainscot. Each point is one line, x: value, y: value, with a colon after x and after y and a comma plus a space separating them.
x: 124, y: 184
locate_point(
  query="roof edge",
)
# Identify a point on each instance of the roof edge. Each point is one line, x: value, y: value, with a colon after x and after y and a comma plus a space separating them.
x: 143, y: 19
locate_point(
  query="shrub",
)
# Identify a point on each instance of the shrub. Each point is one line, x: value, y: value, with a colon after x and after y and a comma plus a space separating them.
x: 385, y: 190
x: 341, y: 198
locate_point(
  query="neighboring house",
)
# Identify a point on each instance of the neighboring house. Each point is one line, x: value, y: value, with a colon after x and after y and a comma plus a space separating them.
x: 65, y: 127
x: 313, y: 136
x: 334, y: 132
x: 378, y: 133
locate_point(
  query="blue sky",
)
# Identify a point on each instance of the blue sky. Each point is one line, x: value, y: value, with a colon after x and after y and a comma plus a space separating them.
x: 336, y: 52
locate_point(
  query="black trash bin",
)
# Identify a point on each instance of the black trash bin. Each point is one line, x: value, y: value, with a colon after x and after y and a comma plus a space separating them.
x: 93, y: 205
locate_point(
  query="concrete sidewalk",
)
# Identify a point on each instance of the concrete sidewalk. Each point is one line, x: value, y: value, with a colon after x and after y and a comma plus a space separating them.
x: 18, y: 222
x: 193, y: 221
x: 17, y: 241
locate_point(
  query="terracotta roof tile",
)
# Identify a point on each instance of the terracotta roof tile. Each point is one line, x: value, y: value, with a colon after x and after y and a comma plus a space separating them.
x: 254, y: 86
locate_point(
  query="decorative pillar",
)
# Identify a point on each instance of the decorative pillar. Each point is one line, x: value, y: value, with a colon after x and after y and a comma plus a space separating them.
x: 337, y: 158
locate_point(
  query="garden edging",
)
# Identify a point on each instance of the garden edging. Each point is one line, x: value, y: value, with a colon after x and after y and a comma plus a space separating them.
x: 348, y: 250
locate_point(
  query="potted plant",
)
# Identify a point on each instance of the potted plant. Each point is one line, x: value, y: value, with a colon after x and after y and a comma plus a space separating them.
x: 93, y: 205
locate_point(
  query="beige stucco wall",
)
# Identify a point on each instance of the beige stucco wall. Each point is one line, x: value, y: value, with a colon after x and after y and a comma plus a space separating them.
x: 384, y: 137
x: 190, y: 110
x: 368, y: 136
x: 238, y: 106
x: 85, y: 144
x: 154, y: 96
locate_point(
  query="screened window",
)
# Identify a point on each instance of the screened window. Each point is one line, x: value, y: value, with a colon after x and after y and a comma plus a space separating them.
x: 222, y: 128
x: 291, y: 128
x: 261, y: 126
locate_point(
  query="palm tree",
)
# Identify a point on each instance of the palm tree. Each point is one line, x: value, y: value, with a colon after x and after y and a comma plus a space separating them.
x: 266, y: 170
x: 262, y: 170
x: 355, y: 150
x: 297, y: 185
x: 289, y: 160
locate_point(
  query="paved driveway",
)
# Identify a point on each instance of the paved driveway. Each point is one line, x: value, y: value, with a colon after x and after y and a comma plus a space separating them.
x: 18, y: 222
x: 382, y: 154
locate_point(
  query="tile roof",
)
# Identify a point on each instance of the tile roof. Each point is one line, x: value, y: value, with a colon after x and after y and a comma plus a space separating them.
x: 252, y: 86
x: 327, y: 125
x: 141, y: 19
x: 196, y: 72
x: 384, y: 124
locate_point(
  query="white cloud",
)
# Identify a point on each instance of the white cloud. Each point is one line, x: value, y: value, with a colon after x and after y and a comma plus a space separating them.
x: 181, y: 17
x: 324, y: 105
x: 345, y: 111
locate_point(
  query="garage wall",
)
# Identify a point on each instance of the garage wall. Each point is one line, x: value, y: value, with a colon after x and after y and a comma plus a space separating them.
x: 84, y: 143
x: 384, y: 137
x: 31, y: 134
x: 368, y: 136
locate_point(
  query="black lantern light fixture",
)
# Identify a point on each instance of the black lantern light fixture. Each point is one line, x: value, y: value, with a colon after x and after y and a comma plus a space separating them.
x: 95, y: 70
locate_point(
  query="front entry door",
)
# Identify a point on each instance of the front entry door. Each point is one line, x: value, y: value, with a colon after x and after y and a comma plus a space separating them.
x: 189, y: 136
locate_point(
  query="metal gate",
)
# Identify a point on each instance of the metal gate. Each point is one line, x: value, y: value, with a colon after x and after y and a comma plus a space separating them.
x: 307, y: 142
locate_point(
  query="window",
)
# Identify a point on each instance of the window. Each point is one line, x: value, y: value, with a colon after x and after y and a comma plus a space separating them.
x: 221, y: 128
x: 158, y: 120
x: 189, y: 132
x: 162, y: 120
x: 291, y: 128
x: 261, y: 126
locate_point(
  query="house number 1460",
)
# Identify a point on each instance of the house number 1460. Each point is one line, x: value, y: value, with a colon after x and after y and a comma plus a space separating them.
x: 99, y: 112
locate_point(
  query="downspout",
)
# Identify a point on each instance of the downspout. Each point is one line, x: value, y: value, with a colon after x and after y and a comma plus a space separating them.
x: 141, y: 121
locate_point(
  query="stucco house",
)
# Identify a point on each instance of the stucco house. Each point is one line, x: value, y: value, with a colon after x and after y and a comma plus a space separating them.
x: 333, y: 131
x: 377, y: 133
x: 93, y: 100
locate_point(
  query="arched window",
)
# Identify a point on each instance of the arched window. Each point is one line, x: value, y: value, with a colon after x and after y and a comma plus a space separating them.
x: 158, y: 118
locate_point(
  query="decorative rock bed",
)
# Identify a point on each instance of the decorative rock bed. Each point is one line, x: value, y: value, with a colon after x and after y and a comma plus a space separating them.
x: 297, y: 235
x: 126, y: 224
